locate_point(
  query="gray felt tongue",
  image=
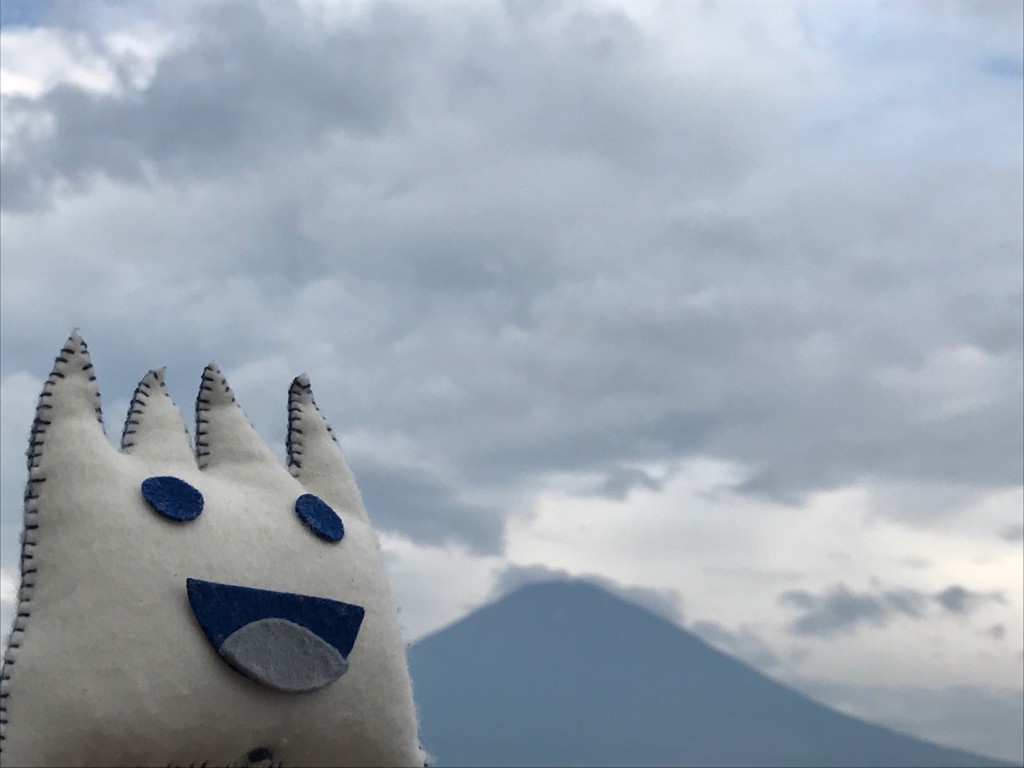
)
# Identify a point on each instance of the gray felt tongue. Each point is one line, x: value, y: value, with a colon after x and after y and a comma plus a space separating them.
x: 282, y: 655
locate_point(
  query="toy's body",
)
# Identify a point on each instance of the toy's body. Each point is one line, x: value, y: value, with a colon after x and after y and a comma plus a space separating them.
x: 113, y: 661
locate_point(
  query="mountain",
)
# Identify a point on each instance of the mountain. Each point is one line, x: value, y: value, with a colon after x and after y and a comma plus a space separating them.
x: 564, y: 673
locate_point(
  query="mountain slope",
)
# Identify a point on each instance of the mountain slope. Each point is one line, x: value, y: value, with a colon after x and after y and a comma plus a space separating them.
x: 564, y: 673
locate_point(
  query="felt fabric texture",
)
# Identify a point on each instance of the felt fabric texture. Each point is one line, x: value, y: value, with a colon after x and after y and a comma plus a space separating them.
x: 173, y: 498
x: 283, y: 656
x: 223, y: 609
x: 318, y: 515
x: 106, y: 663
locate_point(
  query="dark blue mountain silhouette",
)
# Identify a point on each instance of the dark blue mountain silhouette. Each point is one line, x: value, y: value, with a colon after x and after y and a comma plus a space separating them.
x: 564, y: 673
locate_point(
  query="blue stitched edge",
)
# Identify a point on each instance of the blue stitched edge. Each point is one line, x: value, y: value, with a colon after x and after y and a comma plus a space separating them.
x: 202, y: 447
x: 30, y: 515
x: 135, y: 410
x: 294, y: 438
x: 203, y: 404
x: 293, y: 443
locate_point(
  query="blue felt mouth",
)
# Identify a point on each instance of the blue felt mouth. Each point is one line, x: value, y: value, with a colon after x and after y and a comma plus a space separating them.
x: 289, y: 642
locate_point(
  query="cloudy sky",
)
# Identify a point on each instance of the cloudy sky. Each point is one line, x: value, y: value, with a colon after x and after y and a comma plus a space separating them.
x: 718, y: 303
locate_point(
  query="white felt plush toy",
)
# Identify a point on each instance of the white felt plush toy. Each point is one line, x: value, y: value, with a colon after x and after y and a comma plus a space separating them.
x: 188, y: 609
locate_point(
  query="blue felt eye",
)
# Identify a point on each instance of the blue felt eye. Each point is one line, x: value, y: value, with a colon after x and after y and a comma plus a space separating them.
x: 319, y: 517
x: 172, y: 498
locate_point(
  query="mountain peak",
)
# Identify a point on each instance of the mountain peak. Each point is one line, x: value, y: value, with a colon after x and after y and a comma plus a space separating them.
x: 566, y: 673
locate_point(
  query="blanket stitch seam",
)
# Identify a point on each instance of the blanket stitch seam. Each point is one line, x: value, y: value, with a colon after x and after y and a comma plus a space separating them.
x: 29, y: 536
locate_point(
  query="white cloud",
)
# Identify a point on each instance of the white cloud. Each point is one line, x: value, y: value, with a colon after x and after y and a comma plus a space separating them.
x: 37, y: 59
x: 721, y: 552
x: 955, y: 381
x: 435, y: 586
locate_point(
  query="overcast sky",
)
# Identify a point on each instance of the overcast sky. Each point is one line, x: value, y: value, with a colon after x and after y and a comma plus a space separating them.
x: 718, y: 303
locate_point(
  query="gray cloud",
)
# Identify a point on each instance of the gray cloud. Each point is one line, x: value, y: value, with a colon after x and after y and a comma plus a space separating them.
x: 962, y: 601
x: 218, y: 104
x: 259, y: 75
x: 841, y: 610
x: 1012, y: 533
x: 531, y: 238
x: 425, y: 509
x: 620, y: 481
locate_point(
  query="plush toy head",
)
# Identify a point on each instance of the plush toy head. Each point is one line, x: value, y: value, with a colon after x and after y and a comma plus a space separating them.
x: 214, y: 609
